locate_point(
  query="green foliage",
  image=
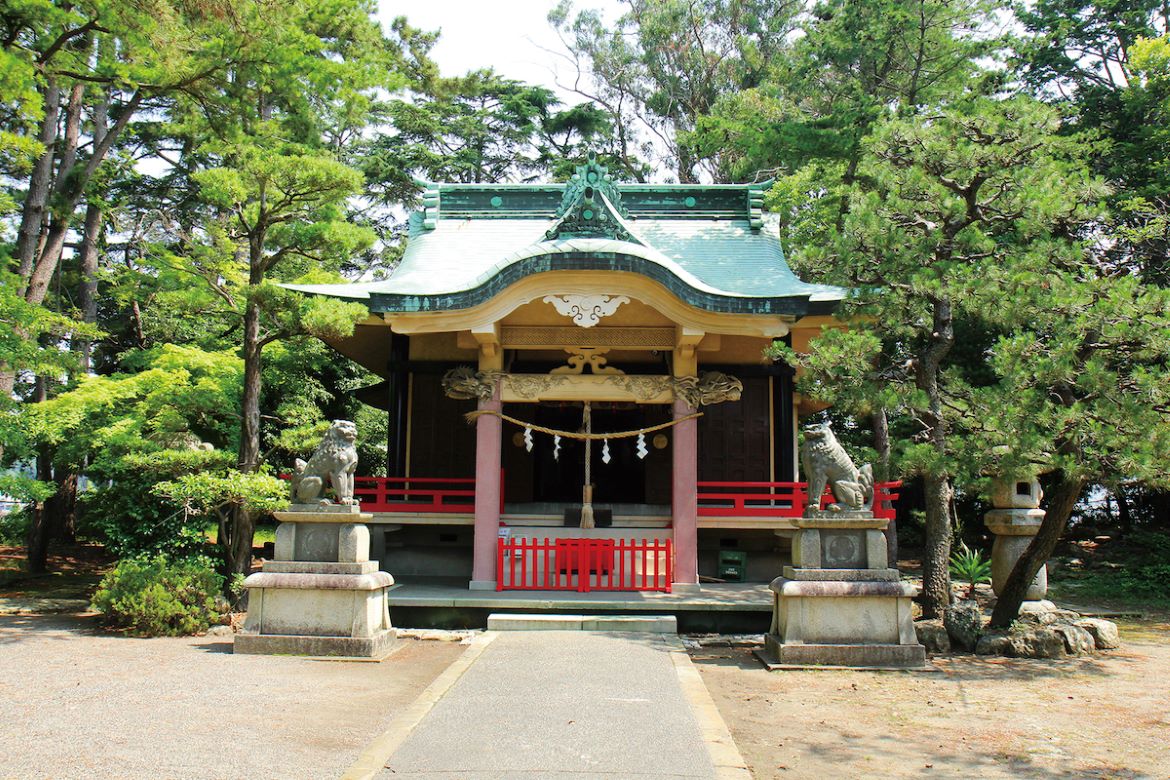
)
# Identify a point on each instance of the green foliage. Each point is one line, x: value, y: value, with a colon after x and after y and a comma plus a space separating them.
x: 14, y: 525
x: 205, y: 493
x: 159, y: 597
x: 24, y: 489
x: 171, y: 413
x: 970, y: 566
x: 133, y: 520
x: 856, y: 63
x: 664, y: 64
x: 170, y: 397
x: 1134, y: 571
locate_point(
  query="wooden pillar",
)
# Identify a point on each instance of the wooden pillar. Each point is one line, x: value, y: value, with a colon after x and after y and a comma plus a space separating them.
x: 684, y: 499
x: 488, y: 435
x: 684, y: 494
x: 488, y: 430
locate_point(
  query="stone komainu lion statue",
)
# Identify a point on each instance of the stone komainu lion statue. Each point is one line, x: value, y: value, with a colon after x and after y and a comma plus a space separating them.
x: 332, y: 463
x: 825, y: 462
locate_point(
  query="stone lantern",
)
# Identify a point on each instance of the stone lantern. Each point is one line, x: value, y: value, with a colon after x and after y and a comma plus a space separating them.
x: 1015, y: 519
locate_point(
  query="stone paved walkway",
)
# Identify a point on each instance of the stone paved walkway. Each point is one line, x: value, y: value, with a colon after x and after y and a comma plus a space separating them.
x: 558, y: 704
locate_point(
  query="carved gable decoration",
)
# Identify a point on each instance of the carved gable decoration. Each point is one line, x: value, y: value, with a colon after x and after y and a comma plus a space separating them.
x: 593, y: 357
x: 586, y: 310
x: 591, y: 207
x: 710, y: 387
x: 465, y: 383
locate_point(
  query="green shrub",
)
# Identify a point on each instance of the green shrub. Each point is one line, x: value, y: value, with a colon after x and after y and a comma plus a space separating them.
x: 135, y: 522
x: 970, y: 566
x: 157, y: 597
x: 14, y: 526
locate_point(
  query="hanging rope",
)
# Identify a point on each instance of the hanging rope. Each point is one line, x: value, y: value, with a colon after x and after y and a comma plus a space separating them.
x: 587, y: 488
x: 470, y: 416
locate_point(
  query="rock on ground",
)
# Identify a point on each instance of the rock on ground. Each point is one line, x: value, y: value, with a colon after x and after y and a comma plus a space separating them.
x: 932, y: 635
x: 1038, y: 643
x: 964, y: 624
x: 1104, y: 632
x: 1077, y: 641
x: 993, y: 644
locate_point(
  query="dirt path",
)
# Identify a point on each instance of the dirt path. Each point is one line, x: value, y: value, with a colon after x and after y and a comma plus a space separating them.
x: 1107, y: 716
x: 76, y: 703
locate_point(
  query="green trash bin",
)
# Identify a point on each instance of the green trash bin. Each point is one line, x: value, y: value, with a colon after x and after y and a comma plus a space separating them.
x: 732, y: 564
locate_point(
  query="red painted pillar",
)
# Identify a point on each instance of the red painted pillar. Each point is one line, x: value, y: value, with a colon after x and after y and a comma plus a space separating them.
x: 684, y: 497
x: 487, y: 495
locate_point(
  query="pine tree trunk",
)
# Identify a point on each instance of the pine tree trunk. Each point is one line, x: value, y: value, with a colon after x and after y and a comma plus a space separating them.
x: 1124, y: 516
x: 936, y: 576
x: 238, y: 550
x: 61, y: 509
x: 87, y: 291
x: 250, y: 422
x: 40, y: 184
x: 40, y: 529
x: 90, y: 238
x: 1061, y: 502
x: 936, y: 554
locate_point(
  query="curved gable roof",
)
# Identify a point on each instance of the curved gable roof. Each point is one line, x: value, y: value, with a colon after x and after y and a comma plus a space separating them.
x: 708, y: 244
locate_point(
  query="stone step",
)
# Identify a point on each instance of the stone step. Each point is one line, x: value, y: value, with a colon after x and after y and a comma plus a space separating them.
x: 645, y: 624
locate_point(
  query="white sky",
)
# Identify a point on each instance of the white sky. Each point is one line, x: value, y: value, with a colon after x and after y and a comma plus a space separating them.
x: 507, y: 35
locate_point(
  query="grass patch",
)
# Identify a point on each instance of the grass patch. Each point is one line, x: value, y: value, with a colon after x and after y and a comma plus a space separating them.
x: 1124, y: 572
x: 264, y: 533
x: 74, y: 572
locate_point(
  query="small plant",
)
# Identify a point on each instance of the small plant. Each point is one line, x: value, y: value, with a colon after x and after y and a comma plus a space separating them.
x: 158, y: 597
x: 971, y: 567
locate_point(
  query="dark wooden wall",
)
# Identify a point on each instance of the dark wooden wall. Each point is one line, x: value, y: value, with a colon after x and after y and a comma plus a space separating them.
x: 442, y: 444
x: 734, y: 442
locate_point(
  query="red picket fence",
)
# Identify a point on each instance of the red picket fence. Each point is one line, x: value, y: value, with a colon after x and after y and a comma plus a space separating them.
x: 584, y: 565
x: 778, y: 499
x: 418, y: 494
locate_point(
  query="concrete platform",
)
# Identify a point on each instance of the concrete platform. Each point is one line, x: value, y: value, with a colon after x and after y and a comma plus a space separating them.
x: 592, y: 706
x: 644, y: 624
x: 447, y: 603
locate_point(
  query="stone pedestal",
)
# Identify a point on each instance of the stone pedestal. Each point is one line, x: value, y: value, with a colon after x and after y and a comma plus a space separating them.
x: 840, y: 603
x: 1015, y: 520
x: 322, y: 595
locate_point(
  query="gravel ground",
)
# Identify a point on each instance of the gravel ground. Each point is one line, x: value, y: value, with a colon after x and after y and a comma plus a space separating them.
x: 1106, y: 716
x: 78, y: 703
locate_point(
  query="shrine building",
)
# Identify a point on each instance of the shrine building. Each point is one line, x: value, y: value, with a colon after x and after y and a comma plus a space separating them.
x: 626, y: 320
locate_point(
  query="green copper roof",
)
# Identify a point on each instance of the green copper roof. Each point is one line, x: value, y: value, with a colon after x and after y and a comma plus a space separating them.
x: 706, y: 243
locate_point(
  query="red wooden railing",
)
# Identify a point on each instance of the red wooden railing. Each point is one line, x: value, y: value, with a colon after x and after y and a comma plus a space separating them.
x: 418, y: 494
x: 884, y: 496
x: 778, y: 499
x: 584, y: 565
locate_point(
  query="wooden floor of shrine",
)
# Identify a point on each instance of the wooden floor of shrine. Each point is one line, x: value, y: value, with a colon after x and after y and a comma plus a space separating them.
x: 435, y: 602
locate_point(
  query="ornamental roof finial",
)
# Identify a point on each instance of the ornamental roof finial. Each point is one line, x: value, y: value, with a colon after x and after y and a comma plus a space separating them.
x: 591, y: 206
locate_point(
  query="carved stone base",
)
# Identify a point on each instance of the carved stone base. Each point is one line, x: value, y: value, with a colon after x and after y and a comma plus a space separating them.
x: 863, y: 623
x: 375, y: 647
x: 777, y: 653
x: 296, y: 510
x: 317, y: 611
